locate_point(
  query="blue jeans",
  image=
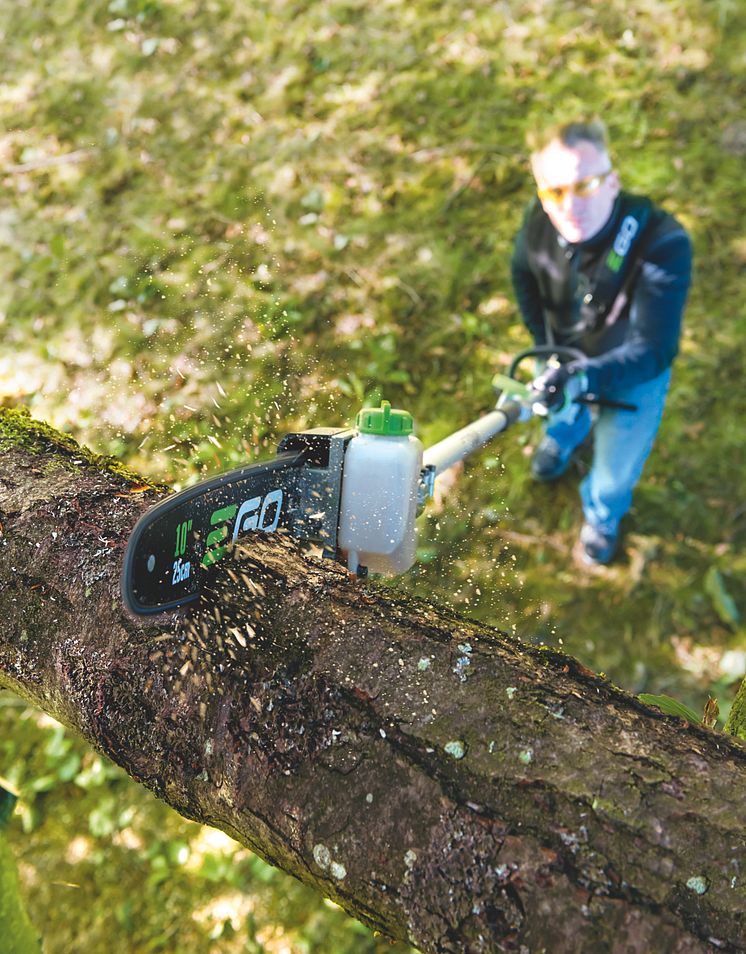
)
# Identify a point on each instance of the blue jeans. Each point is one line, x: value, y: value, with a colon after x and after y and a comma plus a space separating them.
x: 622, y: 441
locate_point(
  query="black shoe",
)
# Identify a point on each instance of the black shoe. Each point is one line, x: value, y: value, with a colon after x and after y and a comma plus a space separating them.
x: 550, y: 461
x: 597, y: 547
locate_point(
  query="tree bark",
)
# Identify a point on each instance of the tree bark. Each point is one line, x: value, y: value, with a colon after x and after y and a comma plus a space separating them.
x: 439, y: 780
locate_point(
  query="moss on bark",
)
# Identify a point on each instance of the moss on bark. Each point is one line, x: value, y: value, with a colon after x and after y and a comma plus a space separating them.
x: 18, y: 429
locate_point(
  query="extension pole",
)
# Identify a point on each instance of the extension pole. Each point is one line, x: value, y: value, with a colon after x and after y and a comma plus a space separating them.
x: 459, y: 445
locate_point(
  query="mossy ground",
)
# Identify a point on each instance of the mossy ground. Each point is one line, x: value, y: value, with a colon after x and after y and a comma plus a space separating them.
x: 224, y: 221
x: 17, y: 929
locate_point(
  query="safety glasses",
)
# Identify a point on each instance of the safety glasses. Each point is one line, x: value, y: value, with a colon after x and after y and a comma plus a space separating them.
x: 581, y: 188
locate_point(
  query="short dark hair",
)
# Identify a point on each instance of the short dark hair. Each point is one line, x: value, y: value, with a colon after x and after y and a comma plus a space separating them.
x: 570, y: 134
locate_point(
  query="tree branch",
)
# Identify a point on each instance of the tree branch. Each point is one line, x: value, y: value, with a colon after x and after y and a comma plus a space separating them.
x: 440, y: 781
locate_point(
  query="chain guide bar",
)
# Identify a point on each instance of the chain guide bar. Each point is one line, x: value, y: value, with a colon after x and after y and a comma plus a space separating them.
x: 177, y: 540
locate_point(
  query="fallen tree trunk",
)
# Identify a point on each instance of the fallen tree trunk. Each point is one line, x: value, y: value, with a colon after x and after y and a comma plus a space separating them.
x: 440, y: 781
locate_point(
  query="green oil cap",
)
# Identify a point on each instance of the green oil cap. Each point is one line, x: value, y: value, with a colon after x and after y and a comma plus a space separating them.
x: 384, y: 420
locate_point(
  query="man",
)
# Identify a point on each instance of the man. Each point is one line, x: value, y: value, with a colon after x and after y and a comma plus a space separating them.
x: 606, y: 273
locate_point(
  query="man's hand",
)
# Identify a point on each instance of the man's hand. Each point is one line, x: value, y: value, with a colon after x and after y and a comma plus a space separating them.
x: 558, y: 387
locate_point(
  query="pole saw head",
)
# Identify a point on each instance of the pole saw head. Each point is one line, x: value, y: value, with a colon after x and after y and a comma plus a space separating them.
x: 354, y: 493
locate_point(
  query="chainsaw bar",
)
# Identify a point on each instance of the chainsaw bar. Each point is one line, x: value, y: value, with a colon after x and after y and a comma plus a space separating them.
x: 177, y: 539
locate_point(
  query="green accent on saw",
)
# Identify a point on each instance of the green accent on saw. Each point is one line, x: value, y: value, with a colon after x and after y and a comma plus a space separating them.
x: 385, y: 421
x: 213, y: 549
x: 509, y: 386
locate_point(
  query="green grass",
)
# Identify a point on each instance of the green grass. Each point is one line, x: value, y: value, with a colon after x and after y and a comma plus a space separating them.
x: 224, y: 221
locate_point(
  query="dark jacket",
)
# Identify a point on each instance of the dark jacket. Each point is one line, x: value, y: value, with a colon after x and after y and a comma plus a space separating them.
x: 553, y: 278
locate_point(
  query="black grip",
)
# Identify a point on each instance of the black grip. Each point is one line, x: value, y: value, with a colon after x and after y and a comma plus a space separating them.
x: 605, y: 402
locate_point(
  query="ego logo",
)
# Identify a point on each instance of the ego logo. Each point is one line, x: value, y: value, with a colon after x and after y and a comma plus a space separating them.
x: 251, y: 517
x: 627, y: 231
x: 257, y: 513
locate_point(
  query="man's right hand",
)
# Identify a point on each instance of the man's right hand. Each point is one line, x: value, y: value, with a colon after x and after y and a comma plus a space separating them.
x: 557, y: 387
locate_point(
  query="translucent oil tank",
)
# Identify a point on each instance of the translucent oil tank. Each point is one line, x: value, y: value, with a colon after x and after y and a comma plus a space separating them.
x: 380, y: 481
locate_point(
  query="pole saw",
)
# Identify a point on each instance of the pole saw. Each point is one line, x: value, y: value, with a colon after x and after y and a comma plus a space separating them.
x: 354, y: 492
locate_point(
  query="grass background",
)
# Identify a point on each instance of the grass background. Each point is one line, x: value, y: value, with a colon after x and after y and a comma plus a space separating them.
x: 222, y: 221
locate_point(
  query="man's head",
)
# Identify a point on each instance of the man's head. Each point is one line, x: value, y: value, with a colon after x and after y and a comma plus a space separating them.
x: 575, y: 182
